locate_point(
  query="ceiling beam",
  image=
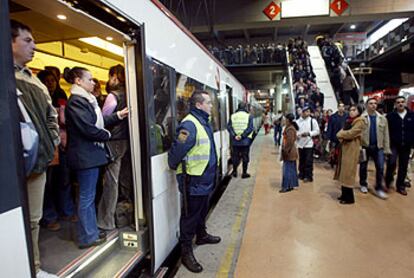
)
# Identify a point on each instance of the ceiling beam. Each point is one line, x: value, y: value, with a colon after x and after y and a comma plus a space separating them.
x: 275, y: 34
x: 306, y: 30
x: 246, y: 35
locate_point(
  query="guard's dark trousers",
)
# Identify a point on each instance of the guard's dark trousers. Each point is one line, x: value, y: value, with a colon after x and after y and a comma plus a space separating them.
x: 241, y: 153
x: 194, y: 223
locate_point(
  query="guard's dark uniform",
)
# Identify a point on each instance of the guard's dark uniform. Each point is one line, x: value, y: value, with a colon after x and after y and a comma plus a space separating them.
x: 199, y: 187
x: 241, y: 148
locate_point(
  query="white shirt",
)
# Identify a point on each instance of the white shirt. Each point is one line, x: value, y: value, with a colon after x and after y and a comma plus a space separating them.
x: 305, y: 126
x: 402, y: 114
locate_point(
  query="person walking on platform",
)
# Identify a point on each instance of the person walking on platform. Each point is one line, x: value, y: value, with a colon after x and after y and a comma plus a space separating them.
x: 240, y: 128
x: 350, y: 145
x: 194, y: 157
x: 375, y: 142
x: 289, y: 155
x: 35, y: 100
x: 401, y: 128
x: 308, y: 128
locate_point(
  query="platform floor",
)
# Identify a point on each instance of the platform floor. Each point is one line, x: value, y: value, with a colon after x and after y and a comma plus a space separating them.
x: 305, y: 233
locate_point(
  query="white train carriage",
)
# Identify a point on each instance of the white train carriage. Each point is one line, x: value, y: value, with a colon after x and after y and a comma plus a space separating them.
x: 164, y: 65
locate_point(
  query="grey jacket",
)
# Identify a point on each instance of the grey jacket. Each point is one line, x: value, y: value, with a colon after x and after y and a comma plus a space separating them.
x: 383, y: 139
x: 38, y: 104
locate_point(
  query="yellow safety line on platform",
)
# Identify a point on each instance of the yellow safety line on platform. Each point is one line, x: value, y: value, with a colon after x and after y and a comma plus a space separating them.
x: 228, y: 258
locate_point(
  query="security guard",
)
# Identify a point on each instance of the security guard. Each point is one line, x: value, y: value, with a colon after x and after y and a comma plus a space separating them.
x: 193, y: 155
x: 240, y: 128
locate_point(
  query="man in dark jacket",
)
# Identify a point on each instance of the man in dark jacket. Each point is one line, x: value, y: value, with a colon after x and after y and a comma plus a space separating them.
x: 401, y: 129
x: 35, y: 97
x: 193, y: 155
x: 336, y: 123
x: 240, y: 128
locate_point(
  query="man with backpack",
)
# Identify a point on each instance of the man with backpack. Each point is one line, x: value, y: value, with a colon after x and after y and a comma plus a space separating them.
x: 308, y: 128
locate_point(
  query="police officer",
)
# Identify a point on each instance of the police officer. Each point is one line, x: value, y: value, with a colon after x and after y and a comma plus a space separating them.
x: 240, y: 128
x: 193, y: 155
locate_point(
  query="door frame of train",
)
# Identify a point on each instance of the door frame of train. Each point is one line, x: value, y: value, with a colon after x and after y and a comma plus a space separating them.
x: 136, y: 88
x: 11, y: 160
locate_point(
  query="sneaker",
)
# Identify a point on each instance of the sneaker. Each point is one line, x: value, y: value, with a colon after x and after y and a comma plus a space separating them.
x: 381, y: 194
x: 364, y: 189
x: 44, y: 274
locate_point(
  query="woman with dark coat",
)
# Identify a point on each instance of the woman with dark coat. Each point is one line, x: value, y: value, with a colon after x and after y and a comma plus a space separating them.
x: 86, y: 150
x: 350, y: 144
x: 289, y: 155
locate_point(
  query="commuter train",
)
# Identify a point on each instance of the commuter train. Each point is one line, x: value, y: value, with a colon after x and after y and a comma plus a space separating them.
x: 164, y: 64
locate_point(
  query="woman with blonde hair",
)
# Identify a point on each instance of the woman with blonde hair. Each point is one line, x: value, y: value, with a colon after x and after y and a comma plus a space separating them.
x: 350, y: 144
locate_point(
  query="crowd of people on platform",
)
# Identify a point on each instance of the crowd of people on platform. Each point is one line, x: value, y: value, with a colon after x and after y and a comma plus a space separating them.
x: 250, y: 54
x: 72, y: 142
x: 351, y: 137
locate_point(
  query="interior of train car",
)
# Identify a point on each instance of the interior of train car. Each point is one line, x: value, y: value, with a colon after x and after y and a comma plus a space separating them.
x: 66, y: 37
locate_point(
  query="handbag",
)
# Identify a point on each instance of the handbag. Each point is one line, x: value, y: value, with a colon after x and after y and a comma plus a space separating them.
x: 30, y: 139
x: 362, y: 155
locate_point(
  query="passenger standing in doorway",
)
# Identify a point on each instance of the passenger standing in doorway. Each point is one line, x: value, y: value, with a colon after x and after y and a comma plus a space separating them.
x: 308, y: 128
x: 195, y: 149
x: 58, y: 190
x: 376, y: 143
x: 401, y: 128
x: 86, y: 149
x: 240, y: 128
x: 119, y: 146
x: 289, y: 155
x: 38, y: 104
x: 350, y: 145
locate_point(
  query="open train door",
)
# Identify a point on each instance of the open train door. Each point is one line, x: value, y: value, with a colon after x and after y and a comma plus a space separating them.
x: 15, y: 244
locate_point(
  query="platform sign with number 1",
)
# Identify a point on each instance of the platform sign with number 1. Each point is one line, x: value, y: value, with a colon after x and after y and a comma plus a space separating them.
x: 339, y: 7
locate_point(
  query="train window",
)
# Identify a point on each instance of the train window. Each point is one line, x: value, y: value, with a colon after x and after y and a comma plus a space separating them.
x: 215, y: 116
x: 162, y: 127
x: 185, y: 86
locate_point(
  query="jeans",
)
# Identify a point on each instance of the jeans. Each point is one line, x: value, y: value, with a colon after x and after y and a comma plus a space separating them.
x: 35, y: 192
x: 306, y: 163
x: 378, y: 157
x: 58, y: 191
x: 87, y: 228
x: 403, y: 155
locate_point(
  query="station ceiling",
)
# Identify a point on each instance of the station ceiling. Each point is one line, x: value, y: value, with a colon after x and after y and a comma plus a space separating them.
x: 233, y: 22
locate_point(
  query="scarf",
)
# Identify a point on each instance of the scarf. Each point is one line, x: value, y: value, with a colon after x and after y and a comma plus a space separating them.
x: 79, y: 91
x: 348, y: 123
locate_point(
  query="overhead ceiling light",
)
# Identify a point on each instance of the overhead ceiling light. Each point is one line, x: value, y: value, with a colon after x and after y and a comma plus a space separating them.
x: 109, y: 38
x: 61, y: 16
x: 120, y: 18
x: 353, y: 26
x: 100, y: 43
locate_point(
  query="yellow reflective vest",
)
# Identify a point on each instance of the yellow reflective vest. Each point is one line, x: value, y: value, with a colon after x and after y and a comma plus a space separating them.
x: 240, y: 122
x: 199, y: 155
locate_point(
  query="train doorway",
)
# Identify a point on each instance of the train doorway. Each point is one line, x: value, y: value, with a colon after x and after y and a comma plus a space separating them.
x: 95, y: 37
